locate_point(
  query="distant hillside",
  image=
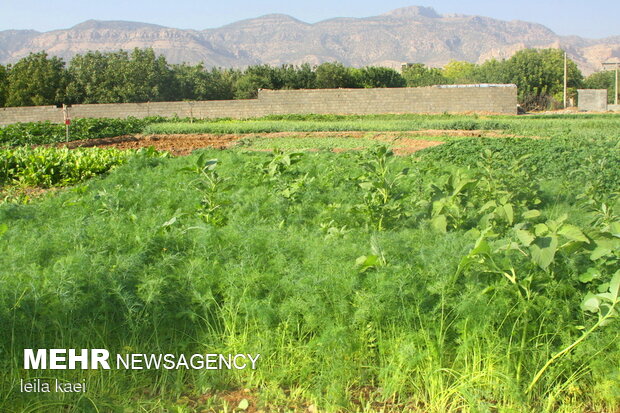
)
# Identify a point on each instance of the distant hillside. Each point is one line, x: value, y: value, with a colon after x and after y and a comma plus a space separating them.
x: 411, y: 34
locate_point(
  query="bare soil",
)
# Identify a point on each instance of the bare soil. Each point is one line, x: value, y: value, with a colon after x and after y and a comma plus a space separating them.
x: 403, y: 143
x: 177, y: 145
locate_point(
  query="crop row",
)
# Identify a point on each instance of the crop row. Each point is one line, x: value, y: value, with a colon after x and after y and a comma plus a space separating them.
x: 267, y: 126
x: 38, y: 133
x: 603, y: 127
x: 46, y: 167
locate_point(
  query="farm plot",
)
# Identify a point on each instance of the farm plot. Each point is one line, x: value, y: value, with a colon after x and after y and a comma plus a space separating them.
x: 184, y: 144
x: 481, y: 274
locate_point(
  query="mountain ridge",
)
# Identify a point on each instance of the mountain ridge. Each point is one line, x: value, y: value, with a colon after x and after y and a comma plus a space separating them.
x: 410, y: 34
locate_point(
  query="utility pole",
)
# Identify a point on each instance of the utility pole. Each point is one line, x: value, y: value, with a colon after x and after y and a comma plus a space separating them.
x: 616, y: 98
x: 566, y: 77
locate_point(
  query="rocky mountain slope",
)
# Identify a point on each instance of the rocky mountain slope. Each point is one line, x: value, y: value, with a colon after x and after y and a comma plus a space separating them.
x: 412, y: 34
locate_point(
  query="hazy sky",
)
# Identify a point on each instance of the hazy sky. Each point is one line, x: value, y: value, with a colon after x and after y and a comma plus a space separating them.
x: 594, y: 18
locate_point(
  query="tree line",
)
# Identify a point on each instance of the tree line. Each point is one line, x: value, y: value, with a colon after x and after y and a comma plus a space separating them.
x: 142, y: 76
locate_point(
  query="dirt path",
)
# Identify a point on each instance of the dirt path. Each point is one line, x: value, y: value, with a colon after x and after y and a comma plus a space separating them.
x: 183, y: 144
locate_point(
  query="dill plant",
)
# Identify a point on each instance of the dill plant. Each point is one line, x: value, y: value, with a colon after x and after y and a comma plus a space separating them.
x: 461, y: 320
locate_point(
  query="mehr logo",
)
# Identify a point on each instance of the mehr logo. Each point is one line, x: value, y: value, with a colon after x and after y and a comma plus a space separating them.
x: 63, y: 359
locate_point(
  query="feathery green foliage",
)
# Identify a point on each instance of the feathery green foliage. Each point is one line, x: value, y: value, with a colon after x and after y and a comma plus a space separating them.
x: 479, y: 275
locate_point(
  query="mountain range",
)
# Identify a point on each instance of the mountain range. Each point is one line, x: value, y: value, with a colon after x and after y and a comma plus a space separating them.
x: 411, y: 34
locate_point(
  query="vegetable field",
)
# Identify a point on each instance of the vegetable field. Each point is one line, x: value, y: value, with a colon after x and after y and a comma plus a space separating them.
x: 478, y: 275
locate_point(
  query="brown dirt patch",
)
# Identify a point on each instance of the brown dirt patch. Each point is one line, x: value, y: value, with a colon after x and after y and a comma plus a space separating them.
x: 403, y: 143
x: 175, y: 144
x: 408, y: 146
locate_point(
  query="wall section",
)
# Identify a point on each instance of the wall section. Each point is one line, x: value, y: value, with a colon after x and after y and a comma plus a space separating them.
x: 592, y: 99
x: 500, y: 99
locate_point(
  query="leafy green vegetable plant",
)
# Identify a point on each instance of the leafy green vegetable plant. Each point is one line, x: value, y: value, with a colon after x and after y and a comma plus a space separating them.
x: 382, y: 204
x: 211, y: 185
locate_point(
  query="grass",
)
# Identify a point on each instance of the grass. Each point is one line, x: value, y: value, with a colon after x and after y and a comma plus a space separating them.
x: 332, y: 267
x: 301, y: 143
x: 567, y: 126
x: 402, y: 123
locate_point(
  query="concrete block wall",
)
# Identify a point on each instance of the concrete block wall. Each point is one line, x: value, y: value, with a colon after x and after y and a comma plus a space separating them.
x: 592, y: 99
x: 198, y: 109
x: 392, y: 100
x: 30, y: 114
x: 323, y: 101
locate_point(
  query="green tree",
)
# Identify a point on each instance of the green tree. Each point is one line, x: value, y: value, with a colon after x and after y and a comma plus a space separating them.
x: 147, y: 77
x: 491, y: 71
x: 92, y: 80
x: 3, y: 84
x: 417, y: 75
x: 293, y: 77
x: 197, y: 83
x: 120, y: 77
x: 334, y: 75
x: 602, y: 80
x: 36, y: 80
x: 256, y: 77
x: 539, y: 76
x: 459, y: 72
x: 373, y: 76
